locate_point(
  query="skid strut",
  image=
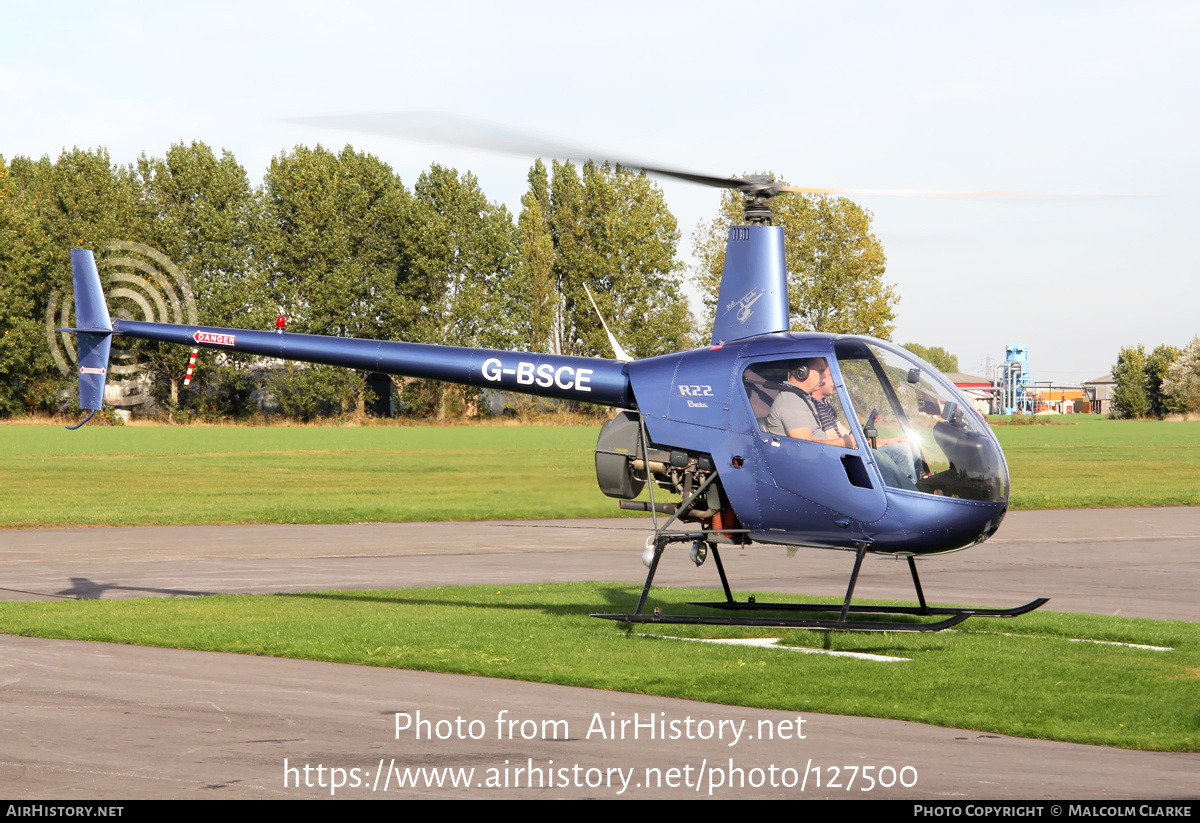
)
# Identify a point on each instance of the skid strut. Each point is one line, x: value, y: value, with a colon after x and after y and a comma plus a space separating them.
x: 953, y: 616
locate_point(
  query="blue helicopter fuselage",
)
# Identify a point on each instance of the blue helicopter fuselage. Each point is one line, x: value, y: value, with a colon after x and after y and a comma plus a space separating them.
x: 801, y: 492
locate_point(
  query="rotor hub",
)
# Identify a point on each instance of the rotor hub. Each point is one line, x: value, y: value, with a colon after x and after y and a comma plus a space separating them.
x: 759, y: 189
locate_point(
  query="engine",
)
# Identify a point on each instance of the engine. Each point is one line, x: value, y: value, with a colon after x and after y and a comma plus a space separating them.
x: 625, y: 464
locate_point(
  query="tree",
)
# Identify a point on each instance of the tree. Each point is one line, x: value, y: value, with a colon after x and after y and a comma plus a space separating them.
x: 27, y: 375
x: 835, y: 264
x: 627, y: 258
x: 204, y: 215
x: 205, y: 212
x: 568, y: 231
x: 80, y: 201
x: 330, y: 240
x: 1157, y: 364
x: 535, y: 273
x: 1129, y: 396
x: 460, y: 258
x: 460, y: 254
x: 1182, y: 384
x: 936, y: 356
x: 611, y: 231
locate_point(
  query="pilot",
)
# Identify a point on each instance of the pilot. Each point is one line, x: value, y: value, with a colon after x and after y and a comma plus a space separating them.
x: 796, y: 413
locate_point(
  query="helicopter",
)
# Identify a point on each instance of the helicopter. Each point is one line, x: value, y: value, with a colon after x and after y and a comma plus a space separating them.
x: 913, y: 470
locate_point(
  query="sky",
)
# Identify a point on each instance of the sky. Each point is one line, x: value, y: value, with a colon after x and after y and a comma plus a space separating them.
x: 1093, y: 106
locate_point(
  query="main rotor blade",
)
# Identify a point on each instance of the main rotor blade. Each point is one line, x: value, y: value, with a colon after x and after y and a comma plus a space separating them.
x: 1034, y: 196
x: 441, y: 127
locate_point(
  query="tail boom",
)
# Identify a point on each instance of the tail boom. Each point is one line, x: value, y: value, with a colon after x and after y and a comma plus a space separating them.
x: 588, y: 379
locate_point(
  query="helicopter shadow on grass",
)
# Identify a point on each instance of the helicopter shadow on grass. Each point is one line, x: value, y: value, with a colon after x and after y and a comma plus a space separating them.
x: 616, y: 598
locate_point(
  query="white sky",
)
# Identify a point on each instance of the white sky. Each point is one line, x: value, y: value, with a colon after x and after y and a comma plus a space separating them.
x: 1085, y: 97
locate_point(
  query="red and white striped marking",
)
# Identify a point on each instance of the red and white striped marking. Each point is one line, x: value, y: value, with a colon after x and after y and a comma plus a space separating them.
x: 191, y: 367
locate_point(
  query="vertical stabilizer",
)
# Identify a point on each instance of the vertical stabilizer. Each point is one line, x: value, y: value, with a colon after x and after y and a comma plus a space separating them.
x: 93, y: 329
x: 91, y: 312
x: 754, y: 297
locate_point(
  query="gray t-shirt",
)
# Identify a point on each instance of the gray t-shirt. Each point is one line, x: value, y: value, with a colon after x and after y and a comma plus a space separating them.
x: 792, y: 410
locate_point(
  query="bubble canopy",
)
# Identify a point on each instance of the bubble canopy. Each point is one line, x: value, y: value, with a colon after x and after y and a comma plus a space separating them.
x: 907, y: 411
x: 920, y: 431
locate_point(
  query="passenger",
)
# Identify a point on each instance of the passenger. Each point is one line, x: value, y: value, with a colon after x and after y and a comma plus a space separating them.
x: 826, y: 413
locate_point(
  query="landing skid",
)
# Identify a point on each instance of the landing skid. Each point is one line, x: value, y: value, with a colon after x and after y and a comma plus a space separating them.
x: 844, y: 609
x: 913, y: 610
x: 788, y: 623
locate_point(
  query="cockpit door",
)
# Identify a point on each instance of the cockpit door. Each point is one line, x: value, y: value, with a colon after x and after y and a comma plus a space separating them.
x: 833, y: 474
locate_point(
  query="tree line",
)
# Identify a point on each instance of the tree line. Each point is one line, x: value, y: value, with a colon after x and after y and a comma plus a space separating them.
x: 1166, y: 381
x: 341, y: 246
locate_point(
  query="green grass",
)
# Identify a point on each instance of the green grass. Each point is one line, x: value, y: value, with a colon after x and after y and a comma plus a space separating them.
x: 139, y: 475
x: 1103, y: 463
x: 1021, y: 677
x: 187, y: 475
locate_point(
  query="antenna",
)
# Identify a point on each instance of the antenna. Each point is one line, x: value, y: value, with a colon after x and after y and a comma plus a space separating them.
x: 612, y: 341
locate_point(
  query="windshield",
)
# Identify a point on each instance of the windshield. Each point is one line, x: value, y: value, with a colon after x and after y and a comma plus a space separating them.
x: 925, y: 435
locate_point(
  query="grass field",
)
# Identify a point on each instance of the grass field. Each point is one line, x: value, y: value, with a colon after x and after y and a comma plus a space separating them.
x: 1023, y: 677
x: 1103, y: 463
x: 157, y: 475
x: 178, y: 475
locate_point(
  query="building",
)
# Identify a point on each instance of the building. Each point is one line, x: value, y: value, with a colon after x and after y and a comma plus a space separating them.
x: 1101, y: 391
x: 977, y: 389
